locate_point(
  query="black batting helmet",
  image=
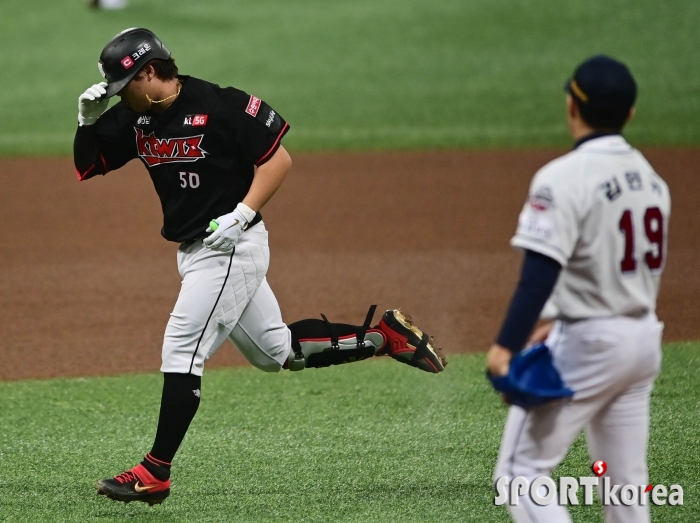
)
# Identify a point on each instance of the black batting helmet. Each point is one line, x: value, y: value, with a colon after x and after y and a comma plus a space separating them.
x: 126, y: 54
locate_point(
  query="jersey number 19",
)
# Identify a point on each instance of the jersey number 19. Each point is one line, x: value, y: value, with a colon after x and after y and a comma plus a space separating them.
x: 654, y: 229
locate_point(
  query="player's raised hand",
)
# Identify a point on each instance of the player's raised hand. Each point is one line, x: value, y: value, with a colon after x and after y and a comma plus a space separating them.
x: 92, y: 103
x: 226, y: 230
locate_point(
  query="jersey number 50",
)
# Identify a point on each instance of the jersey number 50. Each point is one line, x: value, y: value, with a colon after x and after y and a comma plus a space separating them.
x: 654, y: 229
x: 189, y: 180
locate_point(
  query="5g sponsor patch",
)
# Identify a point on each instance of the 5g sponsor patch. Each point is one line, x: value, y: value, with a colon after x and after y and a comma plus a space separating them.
x: 195, y: 120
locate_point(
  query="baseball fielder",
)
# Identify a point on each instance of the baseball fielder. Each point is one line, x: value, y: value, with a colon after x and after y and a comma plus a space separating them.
x: 215, y: 158
x: 594, y: 232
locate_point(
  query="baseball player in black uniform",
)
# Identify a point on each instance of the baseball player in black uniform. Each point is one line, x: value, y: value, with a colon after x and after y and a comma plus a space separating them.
x: 215, y: 157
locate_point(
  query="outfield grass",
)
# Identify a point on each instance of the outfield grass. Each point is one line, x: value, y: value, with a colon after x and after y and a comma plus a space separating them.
x: 367, y: 74
x: 371, y: 442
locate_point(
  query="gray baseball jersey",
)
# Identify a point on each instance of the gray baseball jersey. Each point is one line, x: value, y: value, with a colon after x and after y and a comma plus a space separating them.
x: 602, y: 212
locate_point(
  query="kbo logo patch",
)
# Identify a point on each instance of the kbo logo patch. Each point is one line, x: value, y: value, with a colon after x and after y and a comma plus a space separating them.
x: 155, y: 151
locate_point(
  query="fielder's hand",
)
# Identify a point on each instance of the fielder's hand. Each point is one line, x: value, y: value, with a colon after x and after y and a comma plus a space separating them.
x: 498, y: 360
x: 229, y: 229
x: 91, y: 104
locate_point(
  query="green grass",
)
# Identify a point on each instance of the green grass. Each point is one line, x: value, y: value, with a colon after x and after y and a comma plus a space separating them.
x: 371, y: 442
x: 367, y: 74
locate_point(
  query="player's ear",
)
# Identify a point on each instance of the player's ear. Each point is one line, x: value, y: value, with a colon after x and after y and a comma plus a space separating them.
x: 148, y: 72
x: 632, y: 113
x: 571, y: 107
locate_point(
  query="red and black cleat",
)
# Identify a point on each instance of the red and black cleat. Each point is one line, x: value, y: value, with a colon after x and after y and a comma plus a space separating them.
x: 136, y: 484
x: 408, y: 344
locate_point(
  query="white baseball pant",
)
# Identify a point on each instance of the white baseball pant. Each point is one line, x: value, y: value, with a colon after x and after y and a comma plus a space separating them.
x: 611, y: 364
x: 225, y: 295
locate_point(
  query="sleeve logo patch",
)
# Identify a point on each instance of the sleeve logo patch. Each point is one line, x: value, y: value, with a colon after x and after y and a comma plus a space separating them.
x: 195, y: 120
x: 127, y: 62
x: 270, y: 118
x: 253, y: 106
x: 536, y: 225
x: 542, y: 199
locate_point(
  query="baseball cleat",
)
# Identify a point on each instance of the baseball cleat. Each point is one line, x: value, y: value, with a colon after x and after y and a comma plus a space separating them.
x: 136, y: 484
x: 408, y: 344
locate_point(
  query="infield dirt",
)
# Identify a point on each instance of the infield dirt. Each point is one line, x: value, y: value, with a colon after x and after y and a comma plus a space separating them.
x: 87, y: 282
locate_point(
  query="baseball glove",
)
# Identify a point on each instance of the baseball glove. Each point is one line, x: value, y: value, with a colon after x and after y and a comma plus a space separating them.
x: 532, y: 379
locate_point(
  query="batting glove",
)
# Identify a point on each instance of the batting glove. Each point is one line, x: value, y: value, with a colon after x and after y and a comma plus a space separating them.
x: 226, y: 230
x: 91, y: 104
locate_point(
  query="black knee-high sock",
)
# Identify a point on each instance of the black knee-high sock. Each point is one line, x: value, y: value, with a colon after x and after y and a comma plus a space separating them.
x: 178, y: 405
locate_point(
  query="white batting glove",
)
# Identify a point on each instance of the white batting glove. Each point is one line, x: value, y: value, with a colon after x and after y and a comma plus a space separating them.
x: 91, y: 104
x: 226, y: 230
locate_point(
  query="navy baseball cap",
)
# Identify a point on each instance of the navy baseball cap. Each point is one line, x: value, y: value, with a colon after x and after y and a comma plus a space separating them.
x: 604, y: 90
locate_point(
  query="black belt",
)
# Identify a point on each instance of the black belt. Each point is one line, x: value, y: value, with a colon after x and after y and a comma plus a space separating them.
x: 256, y: 220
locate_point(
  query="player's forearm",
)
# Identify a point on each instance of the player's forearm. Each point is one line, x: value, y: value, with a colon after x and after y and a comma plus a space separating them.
x: 268, y: 178
x: 86, y: 155
x: 537, y: 280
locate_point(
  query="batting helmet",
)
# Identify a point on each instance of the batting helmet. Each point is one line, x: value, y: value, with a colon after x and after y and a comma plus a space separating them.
x: 126, y: 54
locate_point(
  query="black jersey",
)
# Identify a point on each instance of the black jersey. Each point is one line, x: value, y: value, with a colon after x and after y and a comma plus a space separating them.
x: 201, y: 152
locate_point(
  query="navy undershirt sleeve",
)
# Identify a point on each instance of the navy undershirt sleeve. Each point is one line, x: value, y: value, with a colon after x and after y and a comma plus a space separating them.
x: 538, y: 276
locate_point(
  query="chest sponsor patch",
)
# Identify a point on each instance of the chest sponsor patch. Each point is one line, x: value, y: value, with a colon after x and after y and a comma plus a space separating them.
x: 542, y: 199
x: 253, y: 106
x: 156, y: 151
x: 195, y: 120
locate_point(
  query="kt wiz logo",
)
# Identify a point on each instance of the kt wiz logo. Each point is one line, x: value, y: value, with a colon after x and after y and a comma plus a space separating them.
x: 544, y: 491
x: 156, y: 151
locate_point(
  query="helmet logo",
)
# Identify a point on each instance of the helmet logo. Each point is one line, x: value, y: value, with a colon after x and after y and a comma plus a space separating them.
x: 127, y: 62
x: 102, y: 69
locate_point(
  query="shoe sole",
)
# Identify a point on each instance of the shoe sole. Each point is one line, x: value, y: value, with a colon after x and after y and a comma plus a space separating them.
x: 433, y: 362
x: 152, y: 499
